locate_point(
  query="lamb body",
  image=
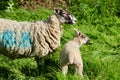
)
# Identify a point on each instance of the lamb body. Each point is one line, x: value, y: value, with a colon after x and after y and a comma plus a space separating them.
x: 70, y: 54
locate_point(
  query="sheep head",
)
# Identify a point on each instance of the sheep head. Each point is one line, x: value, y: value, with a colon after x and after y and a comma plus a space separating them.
x: 64, y: 16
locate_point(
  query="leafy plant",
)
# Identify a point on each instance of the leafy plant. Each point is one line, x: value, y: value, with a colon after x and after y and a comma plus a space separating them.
x: 3, y: 4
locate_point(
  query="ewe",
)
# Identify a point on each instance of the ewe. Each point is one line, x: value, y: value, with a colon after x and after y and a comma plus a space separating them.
x: 33, y: 39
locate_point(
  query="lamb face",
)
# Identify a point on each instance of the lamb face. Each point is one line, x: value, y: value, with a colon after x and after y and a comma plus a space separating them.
x: 64, y: 16
x: 81, y: 37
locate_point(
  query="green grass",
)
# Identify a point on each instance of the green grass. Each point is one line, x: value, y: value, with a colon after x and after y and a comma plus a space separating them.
x: 101, y: 58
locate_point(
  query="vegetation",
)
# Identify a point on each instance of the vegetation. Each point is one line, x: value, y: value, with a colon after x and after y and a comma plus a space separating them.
x: 100, y: 20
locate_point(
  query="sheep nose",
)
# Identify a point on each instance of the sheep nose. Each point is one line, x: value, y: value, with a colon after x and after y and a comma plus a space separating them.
x: 75, y: 20
x: 88, y: 41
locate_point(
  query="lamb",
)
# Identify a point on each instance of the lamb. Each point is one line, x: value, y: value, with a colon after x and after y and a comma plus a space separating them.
x: 70, y: 54
x: 33, y: 39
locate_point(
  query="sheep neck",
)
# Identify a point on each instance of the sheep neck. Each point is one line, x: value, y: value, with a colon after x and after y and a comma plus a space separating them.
x: 57, y: 18
x: 54, y: 19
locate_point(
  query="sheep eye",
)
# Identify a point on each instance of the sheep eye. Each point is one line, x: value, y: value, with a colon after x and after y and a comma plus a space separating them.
x: 63, y: 14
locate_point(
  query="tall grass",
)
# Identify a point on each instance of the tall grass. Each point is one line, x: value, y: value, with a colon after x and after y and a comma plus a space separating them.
x: 101, y: 58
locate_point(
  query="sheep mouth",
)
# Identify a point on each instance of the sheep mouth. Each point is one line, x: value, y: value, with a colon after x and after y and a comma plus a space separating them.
x: 72, y: 22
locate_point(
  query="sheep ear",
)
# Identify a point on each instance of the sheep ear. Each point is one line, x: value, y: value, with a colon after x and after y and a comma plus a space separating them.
x: 56, y: 11
x: 76, y: 32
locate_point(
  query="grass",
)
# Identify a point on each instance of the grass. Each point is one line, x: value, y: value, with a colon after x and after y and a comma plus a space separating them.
x: 101, y: 58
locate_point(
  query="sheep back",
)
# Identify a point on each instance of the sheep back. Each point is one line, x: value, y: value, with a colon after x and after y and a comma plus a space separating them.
x: 23, y: 39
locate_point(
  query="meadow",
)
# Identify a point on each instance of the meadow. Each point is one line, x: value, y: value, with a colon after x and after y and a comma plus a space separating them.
x: 99, y: 20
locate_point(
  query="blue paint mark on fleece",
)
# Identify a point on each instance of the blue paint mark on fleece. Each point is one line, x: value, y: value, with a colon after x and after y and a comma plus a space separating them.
x: 25, y: 40
x: 8, y: 39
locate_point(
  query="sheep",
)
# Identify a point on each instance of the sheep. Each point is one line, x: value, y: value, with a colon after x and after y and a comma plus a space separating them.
x: 70, y: 54
x: 33, y: 39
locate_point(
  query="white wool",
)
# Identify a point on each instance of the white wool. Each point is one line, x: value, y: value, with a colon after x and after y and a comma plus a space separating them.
x: 23, y: 39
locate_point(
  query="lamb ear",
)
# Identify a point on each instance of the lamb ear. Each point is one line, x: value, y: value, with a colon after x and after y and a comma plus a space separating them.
x: 80, y: 33
x: 56, y: 11
x: 76, y: 32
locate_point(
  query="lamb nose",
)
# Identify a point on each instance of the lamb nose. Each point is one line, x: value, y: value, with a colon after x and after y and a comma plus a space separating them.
x: 88, y: 41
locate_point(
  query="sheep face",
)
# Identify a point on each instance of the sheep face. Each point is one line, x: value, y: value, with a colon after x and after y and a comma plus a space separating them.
x: 64, y: 16
x: 82, y: 38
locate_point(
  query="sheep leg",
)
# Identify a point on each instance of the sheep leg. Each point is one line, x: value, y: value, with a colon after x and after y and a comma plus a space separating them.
x: 65, y: 69
x: 39, y: 64
x: 79, y: 70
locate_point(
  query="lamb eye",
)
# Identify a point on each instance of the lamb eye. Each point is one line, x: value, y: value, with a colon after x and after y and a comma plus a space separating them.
x: 82, y: 36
